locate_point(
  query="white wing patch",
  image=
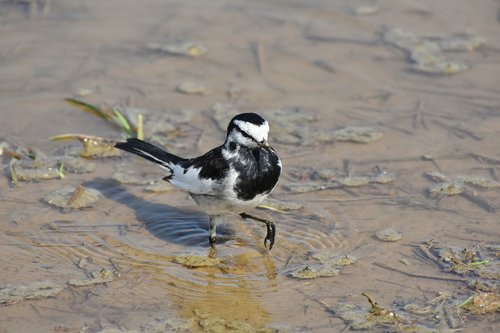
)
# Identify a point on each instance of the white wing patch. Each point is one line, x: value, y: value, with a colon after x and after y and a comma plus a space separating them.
x: 190, y: 181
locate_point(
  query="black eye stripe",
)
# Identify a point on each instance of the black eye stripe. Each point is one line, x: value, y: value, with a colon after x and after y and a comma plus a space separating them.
x: 245, y: 134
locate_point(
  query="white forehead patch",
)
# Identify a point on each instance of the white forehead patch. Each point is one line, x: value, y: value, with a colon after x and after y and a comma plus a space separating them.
x: 258, y: 132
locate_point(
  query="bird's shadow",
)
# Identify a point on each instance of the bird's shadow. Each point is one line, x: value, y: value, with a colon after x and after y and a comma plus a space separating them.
x: 180, y: 226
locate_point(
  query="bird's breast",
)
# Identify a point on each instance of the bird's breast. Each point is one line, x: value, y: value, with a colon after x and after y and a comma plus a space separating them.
x: 257, y: 170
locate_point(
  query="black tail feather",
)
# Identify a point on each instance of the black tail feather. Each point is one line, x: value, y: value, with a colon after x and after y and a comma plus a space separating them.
x: 149, y: 152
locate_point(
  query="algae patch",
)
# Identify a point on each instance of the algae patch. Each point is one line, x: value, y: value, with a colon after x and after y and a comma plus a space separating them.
x: 315, y: 271
x: 10, y: 294
x: 361, y: 318
x: 329, y: 265
x: 210, y: 324
x: 98, y: 276
x: 482, y: 303
x: 292, y: 126
x: 184, y: 48
x: 194, y: 261
x: 280, y: 205
x: 427, y: 52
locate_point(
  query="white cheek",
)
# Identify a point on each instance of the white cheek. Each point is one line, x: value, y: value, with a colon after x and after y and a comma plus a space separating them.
x: 259, y: 133
x: 239, y: 138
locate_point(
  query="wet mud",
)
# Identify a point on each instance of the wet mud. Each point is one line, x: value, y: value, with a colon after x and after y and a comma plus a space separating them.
x: 386, y: 116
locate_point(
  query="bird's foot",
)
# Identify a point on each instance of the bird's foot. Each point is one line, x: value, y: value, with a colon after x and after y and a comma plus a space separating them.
x: 212, y: 252
x: 212, y: 240
x: 271, y: 233
x: 212, y: 230
x: 271, y: 229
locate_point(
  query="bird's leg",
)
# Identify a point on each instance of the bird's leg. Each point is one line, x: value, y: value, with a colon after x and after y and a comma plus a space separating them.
x: 271, y: 228
x: 212, y: 226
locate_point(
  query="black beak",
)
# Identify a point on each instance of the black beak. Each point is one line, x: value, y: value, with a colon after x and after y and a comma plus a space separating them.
x: 263, y: 144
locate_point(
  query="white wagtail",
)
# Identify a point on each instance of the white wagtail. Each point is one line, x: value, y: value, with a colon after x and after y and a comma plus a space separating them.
x: 230, y: 179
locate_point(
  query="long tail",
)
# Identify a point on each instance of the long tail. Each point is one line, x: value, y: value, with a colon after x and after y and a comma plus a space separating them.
x: 149, y: 152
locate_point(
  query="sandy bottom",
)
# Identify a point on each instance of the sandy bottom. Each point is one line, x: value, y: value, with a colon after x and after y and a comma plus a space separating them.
x: 310, y: 67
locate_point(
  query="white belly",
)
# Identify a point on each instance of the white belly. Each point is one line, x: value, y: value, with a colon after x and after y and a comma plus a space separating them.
x: 223, y: 205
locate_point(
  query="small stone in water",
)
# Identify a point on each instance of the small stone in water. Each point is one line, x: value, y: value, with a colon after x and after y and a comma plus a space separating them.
x: 192, y: 88
x: 389, y: 235
x: 79, y: 197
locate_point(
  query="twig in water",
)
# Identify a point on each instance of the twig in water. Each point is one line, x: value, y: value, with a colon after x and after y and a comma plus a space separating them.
x: 433, y: 277
x: 478, y: 200
x: 260, y: 57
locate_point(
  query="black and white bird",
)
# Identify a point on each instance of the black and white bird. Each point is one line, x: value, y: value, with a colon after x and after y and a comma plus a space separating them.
x: 230, y: 179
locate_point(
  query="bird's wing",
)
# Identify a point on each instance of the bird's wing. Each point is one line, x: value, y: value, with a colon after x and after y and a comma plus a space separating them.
x: 201, y: 175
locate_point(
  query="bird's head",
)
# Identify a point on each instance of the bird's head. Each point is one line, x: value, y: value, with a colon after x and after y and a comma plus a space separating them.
x: 248, y: 129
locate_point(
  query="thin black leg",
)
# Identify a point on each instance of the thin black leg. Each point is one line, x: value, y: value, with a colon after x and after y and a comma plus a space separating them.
x: 212, y: 230
x: 270, y: 226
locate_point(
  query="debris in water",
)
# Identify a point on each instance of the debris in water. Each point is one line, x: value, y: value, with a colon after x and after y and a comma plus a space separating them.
x: 47, y: 168
x: 330, y: 264
x: 389, y: 235
x: 290, y: 126
x: 468, y: 261
x: 194, y: 261
x: 479, y: 181
x: 310, y: 187
x: 279, y: 205
x: 102, y: 275
x: 28, y: 170
x: 93, y: 146
x: 168, y: 324
x: 209, y: 323
x: 327, y: 258
x: 457, y: 185
x: 324, y: 174
x: 436, y: 176
x: 447, y: 188
x: 189, y: 49
x: 340, y: 181
x: 427, y: 52
x: 193, y: 88
x: 380, y: 314
x: 315, y: 271
x: 354, y: 181
x: 71, y: 197
x: 482, y: 303
x: 360, y: 134
x: 360, y: 318
x: 10, y: 294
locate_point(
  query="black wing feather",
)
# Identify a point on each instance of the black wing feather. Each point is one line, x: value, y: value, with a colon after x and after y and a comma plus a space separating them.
x: 149, y: 152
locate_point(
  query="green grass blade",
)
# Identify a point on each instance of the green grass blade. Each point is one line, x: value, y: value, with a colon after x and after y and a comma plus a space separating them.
x: 124, y: 124
x: 86, y: 107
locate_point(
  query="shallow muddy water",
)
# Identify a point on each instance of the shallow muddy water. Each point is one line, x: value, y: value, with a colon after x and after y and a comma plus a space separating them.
x: 390, y: 146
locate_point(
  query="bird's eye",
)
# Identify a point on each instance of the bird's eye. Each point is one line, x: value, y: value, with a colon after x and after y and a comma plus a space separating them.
x: 245, y: 134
